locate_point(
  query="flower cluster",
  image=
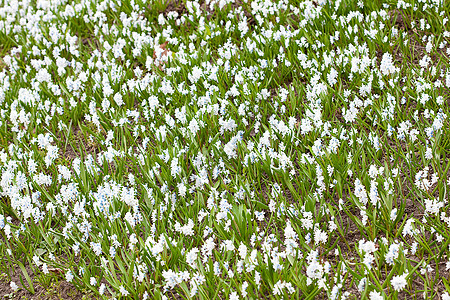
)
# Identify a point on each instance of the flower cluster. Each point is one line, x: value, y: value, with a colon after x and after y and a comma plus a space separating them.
x: 224, y: 149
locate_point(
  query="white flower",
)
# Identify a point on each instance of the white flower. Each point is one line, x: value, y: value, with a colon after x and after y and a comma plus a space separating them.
x: 182, y: 189
x: 69, y: 276
x: 52, y: 154
x: 242, y: 250
x: 207, y: 248
x: 362, y: 284
x: 13, y: 286
x: 278, y: 288
x: 93, y: 281
x: 191, y: 257
x: 123, y: 291
x: 428, y: 153
x: 228, y: 245
x: 243, y: 27
x: 243, y: 289
x: 387, y: 66
x: 101, y: 289
x: 289, y: 232
x: 194, y: 126
x: 45, y: 268
x: 374, y: 295
x: 332, y: 77
x: 373, y: 171
x: 280, y: 285
x: 187, y: 229
x: 399, y: 282
x: 234, y: 296
x: 195, y: 75
x: 367, y: 247
x: 97, y: 248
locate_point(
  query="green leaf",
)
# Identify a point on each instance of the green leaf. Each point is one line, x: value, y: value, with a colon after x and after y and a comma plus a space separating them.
x: 39, y: 251
x: 27, y: 277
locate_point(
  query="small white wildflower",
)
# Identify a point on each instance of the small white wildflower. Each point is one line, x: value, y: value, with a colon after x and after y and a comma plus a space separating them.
x: 234, y: 296
x: 101, y: 289
x: 123, y: 291
x: 374, y: 295
x: 69, y: 276
x: 399, y: 282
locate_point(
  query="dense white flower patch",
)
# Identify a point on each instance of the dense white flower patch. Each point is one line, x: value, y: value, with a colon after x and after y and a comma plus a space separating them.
x: 225, y: 149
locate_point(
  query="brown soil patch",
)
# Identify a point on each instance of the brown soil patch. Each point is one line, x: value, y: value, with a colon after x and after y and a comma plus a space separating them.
x: 58, y: 290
